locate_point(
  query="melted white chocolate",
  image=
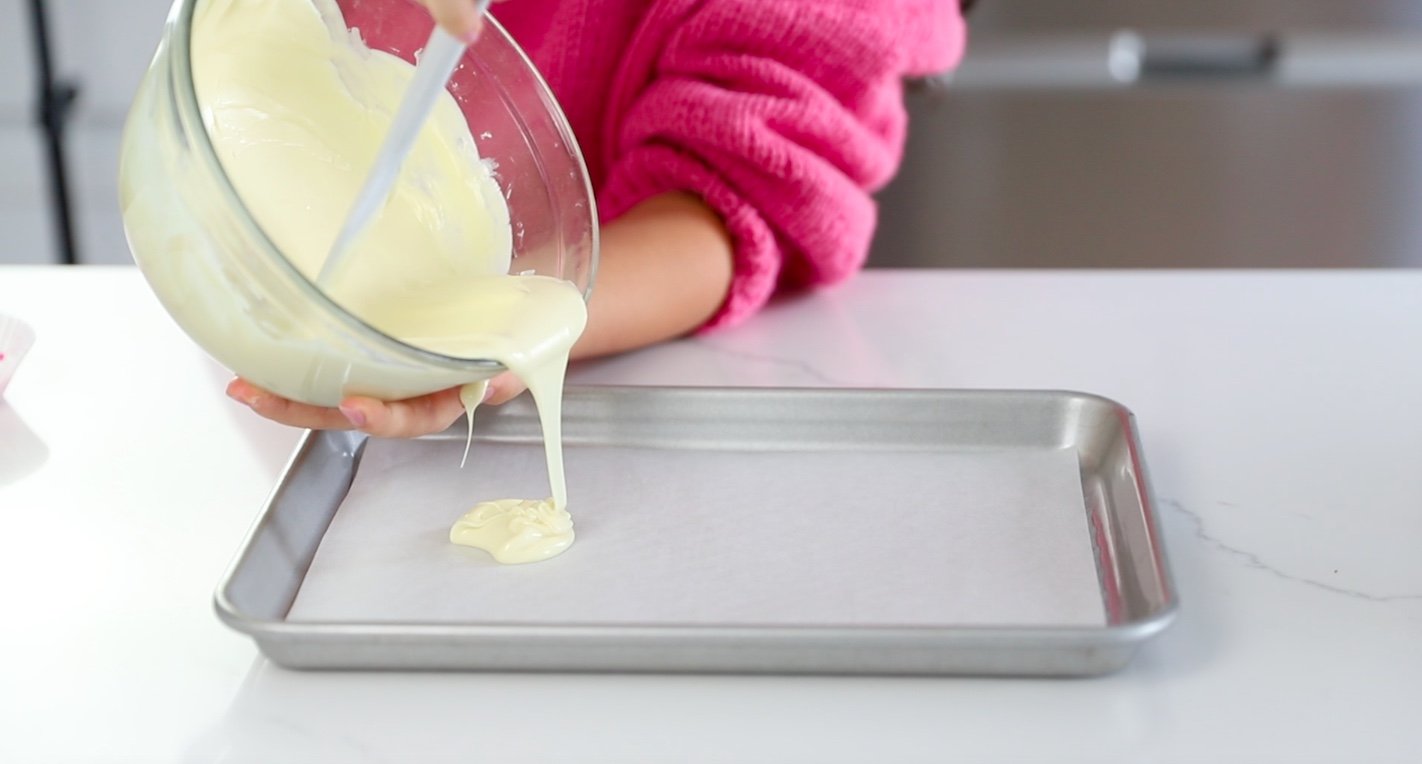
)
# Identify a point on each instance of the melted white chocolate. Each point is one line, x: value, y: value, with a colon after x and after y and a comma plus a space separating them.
x: 296, y: 106
x: 514, y: 530
x: 471, y: 395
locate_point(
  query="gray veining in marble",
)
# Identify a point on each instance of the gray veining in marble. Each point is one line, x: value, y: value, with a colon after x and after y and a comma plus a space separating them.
x: 1253, y: 560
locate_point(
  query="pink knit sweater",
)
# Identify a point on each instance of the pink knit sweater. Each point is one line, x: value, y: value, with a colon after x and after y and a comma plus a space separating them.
x: 783, y: 115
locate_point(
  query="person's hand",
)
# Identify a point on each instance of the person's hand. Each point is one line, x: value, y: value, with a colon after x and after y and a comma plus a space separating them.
x: 457, y: 17
x: 665, y: 268
x: 409, y: 418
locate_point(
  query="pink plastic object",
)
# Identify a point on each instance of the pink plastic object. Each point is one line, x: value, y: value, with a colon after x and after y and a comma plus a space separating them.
x: 16, y: 337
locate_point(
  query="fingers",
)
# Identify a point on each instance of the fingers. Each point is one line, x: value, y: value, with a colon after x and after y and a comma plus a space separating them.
x: 457, y: 17
x: 503, y: 389
x: 409, y: 418
x: 397, y: 419
x: 279, y: 409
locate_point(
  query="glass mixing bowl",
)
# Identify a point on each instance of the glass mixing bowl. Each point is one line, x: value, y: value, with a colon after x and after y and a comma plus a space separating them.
x: 241, y: 300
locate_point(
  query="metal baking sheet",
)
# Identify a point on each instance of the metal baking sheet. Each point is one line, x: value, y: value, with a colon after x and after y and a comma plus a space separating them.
x: 918, y: 532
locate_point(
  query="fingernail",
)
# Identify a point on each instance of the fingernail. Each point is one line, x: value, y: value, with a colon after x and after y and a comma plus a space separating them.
x: 488, y: 393
x: 470, y: 35
x: 354, y: 415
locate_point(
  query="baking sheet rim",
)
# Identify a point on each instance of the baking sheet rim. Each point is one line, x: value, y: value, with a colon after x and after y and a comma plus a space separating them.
x: 1129, y: 634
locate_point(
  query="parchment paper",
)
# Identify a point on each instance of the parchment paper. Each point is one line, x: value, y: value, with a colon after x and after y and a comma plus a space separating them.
x: 718, y: 537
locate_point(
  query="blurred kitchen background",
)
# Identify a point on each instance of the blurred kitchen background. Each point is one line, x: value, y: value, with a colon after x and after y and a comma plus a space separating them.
x: 1078, y: 133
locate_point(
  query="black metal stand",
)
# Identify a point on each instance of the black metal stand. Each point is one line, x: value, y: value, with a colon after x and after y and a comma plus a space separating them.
x: 54, y: 101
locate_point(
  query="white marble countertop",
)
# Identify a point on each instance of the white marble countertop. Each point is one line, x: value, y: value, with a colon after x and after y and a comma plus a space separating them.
x: 1281, y: 415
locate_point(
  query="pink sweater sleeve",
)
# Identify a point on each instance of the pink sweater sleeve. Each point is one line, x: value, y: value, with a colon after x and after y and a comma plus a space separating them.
x: 783, y: 115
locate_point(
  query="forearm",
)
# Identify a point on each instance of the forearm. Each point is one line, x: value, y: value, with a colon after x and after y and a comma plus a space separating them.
x: 665, y: 268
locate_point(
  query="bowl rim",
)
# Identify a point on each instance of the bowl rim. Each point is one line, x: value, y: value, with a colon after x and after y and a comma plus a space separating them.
x: 189, y: 113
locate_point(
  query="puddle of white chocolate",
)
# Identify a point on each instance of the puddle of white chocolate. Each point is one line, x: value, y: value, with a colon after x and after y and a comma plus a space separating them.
x: 296, y: 106
x: 516, y: 530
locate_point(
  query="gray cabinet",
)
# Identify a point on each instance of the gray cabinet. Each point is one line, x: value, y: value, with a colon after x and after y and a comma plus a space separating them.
x: 1248, y: 133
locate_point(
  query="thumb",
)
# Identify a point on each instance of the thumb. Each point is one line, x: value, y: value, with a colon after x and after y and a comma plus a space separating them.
x: 460, y: 18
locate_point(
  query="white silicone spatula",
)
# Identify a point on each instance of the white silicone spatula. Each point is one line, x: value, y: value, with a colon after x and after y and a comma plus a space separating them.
x: 436, y: 63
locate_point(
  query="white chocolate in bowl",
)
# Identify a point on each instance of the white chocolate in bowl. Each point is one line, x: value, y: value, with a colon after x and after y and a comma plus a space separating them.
x: 296, y: 106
